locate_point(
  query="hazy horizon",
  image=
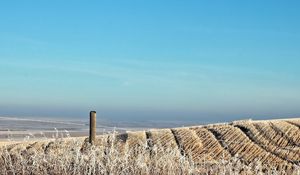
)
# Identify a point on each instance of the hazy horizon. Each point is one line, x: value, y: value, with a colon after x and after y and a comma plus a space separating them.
x: 150, y: 60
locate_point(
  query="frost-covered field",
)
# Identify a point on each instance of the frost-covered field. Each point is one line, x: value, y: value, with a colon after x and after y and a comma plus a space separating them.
x: 242, y: 147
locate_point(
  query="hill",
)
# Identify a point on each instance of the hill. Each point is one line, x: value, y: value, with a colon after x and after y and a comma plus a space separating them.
x: 241, y: 147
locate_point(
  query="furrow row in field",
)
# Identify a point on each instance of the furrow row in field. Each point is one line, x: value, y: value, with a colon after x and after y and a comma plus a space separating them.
x: 270, y: 132
x: 136, y: 143
x: 283, y: 135
x: 162, y: 144
x: 212, y: 149
x: 294, y: 122
x: 291, y: 131
x: 163, y: 138
x: 190, y: 143
x: 240, y: 145
x: 267, y: 144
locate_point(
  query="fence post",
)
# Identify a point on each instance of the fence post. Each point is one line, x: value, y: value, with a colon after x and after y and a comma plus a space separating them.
x: 92, y: 127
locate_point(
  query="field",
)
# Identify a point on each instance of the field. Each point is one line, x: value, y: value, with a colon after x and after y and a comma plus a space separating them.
x: 239, y: 147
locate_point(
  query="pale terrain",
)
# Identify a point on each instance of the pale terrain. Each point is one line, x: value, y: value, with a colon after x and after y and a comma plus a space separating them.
x: 239, y: 147
x: 3, y: 143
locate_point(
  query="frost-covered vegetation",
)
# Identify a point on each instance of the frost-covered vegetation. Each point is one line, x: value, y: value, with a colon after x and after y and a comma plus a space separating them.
x: 215, y: 149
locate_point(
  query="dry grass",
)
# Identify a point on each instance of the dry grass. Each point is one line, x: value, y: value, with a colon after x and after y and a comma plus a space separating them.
x: 244, y: 147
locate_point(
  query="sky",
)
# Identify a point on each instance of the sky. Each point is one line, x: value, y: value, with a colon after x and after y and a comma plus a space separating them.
x: 150, y: 60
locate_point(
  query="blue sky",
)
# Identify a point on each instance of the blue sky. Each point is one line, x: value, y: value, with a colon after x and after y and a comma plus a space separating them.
x: 157, y: 60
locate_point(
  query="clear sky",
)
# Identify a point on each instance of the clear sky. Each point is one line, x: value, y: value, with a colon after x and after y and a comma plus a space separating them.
x: 150, y: 60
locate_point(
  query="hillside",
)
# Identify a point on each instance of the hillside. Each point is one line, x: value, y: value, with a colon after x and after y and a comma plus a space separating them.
x: 243, y: 147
